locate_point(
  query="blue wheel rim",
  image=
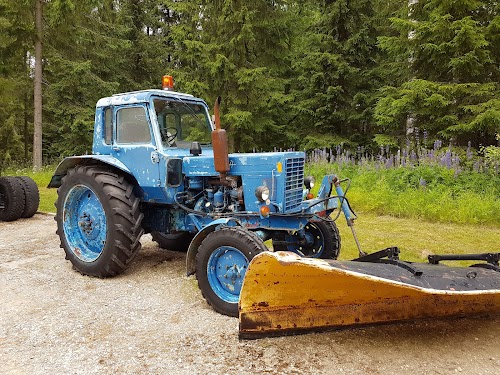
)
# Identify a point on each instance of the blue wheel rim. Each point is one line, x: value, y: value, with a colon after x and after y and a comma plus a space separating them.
x: 226, y: 269
x: 84, y: 223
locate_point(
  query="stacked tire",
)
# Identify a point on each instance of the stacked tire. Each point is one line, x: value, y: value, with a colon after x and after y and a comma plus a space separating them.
x: 19, y: 197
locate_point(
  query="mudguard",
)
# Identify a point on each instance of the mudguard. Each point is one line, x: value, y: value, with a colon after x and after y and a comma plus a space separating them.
x: 72, y: 161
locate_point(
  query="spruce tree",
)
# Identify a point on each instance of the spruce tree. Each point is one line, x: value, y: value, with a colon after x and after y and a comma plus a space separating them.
x: 85, y: 55
x: 16, y: 87
x: 239, y: 50
x: 450, y: 48
x: 336, y: 77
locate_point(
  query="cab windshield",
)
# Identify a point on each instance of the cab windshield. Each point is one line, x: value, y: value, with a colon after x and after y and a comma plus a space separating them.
x: 182, y: 122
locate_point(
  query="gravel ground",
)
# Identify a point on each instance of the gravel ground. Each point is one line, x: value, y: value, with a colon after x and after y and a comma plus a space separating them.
x: 152, y: 319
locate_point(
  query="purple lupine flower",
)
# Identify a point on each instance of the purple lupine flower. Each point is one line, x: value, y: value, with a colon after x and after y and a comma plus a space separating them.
x: 447, y: 159
x: 430, y: 156
x: 413, y: 158
x: 422, y: 183
x: 389, y: 162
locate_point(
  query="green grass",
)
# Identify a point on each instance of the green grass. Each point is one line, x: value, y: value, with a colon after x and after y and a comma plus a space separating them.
x: 416, y: 238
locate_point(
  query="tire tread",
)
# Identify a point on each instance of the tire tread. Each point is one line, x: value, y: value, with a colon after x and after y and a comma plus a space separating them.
x: 15, y: 200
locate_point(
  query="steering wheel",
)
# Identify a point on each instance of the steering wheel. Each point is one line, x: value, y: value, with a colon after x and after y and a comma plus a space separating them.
x: 169, y: 134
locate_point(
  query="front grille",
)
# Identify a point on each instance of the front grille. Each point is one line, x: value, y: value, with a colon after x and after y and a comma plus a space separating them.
x: 294, y: 179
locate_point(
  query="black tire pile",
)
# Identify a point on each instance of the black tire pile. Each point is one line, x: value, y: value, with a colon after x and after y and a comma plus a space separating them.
x: 19, y: 197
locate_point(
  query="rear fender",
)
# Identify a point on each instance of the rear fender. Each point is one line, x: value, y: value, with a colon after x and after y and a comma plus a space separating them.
x: 73, y: 161
x: 198, y: 239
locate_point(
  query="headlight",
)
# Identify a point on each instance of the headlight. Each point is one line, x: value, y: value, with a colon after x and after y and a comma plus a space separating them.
x: 262, y: 193
x: 309, y: 182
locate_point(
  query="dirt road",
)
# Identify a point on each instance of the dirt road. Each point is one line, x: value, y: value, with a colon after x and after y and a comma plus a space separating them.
x: 152, y: 319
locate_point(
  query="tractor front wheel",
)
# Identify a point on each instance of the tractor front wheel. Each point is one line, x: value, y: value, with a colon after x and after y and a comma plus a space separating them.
x: 221, y: 264
x: 98, y: 220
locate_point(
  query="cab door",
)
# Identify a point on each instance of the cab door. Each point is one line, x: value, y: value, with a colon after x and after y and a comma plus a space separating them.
x: 135, y: 147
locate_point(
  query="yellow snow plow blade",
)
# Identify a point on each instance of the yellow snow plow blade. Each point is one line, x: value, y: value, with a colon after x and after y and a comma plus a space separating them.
x: 286, y: 294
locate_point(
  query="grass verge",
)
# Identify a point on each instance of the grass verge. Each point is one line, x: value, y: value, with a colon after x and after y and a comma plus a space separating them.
x: 416, y: 238
x: 430, y: 193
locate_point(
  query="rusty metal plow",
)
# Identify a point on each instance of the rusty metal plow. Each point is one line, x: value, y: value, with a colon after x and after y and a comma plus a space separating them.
x: 286, y: 294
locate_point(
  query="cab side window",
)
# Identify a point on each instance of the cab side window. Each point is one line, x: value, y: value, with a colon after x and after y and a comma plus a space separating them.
x: 108, y: 126
x: 132, y: 126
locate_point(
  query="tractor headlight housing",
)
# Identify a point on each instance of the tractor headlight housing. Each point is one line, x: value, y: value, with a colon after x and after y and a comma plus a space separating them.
x: 309, y: 182
x: 262, y: 193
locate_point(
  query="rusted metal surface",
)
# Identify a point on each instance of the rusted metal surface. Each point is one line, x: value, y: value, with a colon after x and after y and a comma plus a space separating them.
x: 285, y: 294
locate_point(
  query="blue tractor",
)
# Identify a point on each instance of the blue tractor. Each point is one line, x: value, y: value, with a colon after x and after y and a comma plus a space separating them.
x: 160, y: 165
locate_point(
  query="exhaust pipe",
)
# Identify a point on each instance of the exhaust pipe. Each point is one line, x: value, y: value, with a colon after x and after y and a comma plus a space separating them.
x: 219, y: 144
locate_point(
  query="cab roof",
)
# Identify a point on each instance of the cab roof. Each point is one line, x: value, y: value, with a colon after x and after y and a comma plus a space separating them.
x: 143, y: 96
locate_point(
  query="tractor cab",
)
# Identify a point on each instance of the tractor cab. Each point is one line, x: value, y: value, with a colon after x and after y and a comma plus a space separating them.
x: 148, y: 133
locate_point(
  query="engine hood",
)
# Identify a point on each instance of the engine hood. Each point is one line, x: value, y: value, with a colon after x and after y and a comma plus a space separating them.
x: 240, y: 164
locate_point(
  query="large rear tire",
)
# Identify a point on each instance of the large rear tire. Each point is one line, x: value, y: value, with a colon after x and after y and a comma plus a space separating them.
x: 98, y: 221
x: 12, y: 200
x: 173, y: 241
x: 321, y: 239
x: 31, y: 195
x: 221, y: 264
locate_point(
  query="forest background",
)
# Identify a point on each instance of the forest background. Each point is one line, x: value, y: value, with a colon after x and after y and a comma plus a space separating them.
x: 301, y: 74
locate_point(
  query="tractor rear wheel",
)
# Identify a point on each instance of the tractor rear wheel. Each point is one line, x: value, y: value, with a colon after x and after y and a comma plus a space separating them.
x: 12, y: 200
x: 221, y: 264
x: 98, y: 220
x: 320, y: 239
x: 173, y: 241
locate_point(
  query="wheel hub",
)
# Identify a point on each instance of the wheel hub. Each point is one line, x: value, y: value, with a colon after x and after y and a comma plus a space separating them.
x: 233, y: 273
x: 226, y: 270
x: 89, y: 224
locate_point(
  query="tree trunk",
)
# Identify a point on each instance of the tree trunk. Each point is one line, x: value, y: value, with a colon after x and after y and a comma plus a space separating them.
x: 37, y: 136
x: 25, y: 112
